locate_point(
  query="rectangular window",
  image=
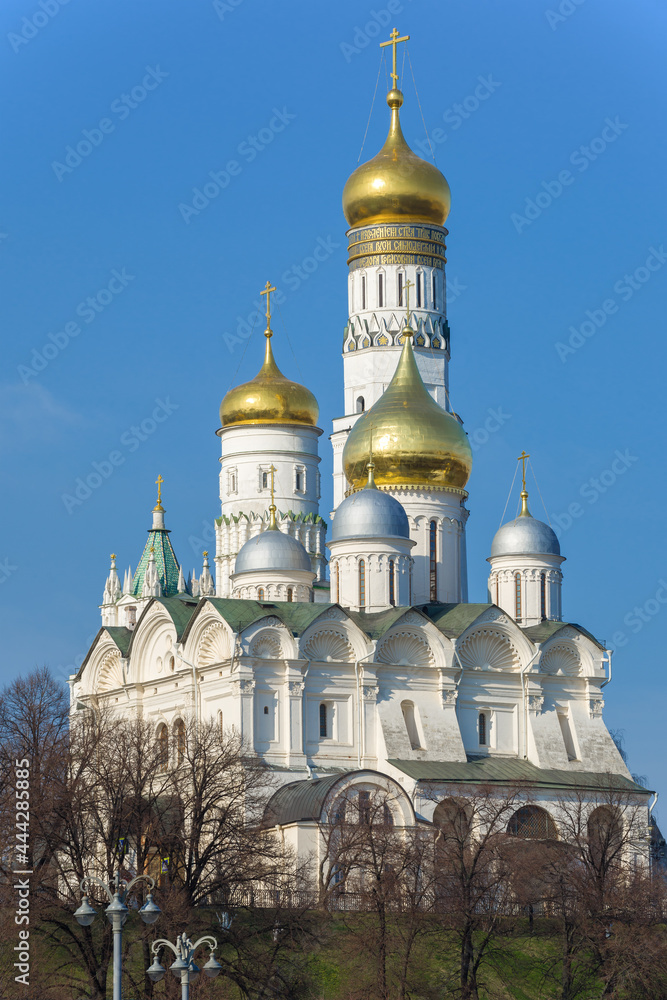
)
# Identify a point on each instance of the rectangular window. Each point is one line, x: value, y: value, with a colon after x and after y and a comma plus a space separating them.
x: 482, y: 729
x: 363, y: 291
x: 434, y: 292
x: 380, y: 290
x: 362, y: 583
x: 265, y: 480
x: 324, y: 727
x: 364, y: 808
x: 543, y: 595
x: 400, y: 288
x: 517, y: 595
x: 392, y: 584
x: 420, y: 287
x: 433, y: 561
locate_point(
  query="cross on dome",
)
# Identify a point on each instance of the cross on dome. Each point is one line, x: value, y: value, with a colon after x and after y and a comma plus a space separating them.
x: 394, y: 40
x: 268, y: 288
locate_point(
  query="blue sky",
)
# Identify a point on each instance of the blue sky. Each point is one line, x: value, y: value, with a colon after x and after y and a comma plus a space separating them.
x: 557, y: 254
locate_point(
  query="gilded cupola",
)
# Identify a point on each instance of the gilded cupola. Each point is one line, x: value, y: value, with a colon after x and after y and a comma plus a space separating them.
x: 414, y: 442
x: 396, y: 185
x: 269, y: 398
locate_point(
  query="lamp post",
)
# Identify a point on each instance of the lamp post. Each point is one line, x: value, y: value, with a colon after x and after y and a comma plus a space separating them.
x: 117, y: 912
x: 184, y: 966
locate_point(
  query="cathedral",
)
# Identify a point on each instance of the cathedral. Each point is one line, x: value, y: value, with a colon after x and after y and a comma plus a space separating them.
x: 348, y: 654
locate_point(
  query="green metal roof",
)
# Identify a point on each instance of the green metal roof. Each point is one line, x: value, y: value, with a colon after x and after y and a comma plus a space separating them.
x: 509, y: 770
x: 375, y: 625
x: 121, y: 636
x: 453, y: 619
x: 166, y: 563
x: 295, y: 615
x: 546, y: 630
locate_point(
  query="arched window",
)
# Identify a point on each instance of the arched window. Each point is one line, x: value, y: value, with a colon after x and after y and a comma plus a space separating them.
x: 543, y: 595
x: 362, y: 583
x: 401, y: 281
x: 517, y: 595
x: 483, y: 734
x: 290, y: 593
x: 453, y: 819
x: 363, y: 291
x: 324, y: 721
x: 163, y: 746
x: 260, y: 593
x: 298, y: 481
x: 532, y: 823
x: 380, y: 290
x: 605, y: 836
x: 179, y: 733
x: 361, y: 405
x: 434, y: 290
x: 410, y: 719
x: 420, y: 288
x: 265, y: 480
x: 392, y: 584
x: 433, y: 561
x: 364, y: 808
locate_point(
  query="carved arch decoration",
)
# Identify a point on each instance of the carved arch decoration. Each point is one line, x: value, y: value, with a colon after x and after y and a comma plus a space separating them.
x: 267, y: 644
x: 214, y: 645
x: 561, y: 658
x: 405, y: 649
x: 109, y: 673
x: 328, y: 645
x: 489, y: 649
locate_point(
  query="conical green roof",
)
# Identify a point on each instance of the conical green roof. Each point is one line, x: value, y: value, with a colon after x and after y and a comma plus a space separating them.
x: 166, y: 562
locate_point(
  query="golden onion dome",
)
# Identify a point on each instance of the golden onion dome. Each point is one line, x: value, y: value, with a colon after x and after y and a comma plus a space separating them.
x: 413, y: 441
x: 269, y: 398
x: 396, y: 185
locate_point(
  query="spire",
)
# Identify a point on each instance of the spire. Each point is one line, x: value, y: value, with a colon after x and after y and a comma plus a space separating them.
x: 151, y: 586
x: 180, y: 587
x: 206, y: 585
x: 193, y: 584
x: 112, y: 588
x: 524, y: 493
x: 127, y: 580
x: 164, y: 558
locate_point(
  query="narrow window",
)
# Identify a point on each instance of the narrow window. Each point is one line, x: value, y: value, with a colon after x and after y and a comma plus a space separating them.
x: 482, y: 729
x: 380, y: 290
x: 232, y: 483
x: 420, y: 285
x: 497, y: 589
x: 266, y: 710
x: 260, y: 594
x: 220, y: 726
x: 400, y: 288
x: 392, y: 591
x: 363, y: 291
x: 361, y: 405
x: 543, y: 595
x: 432, y: 557
x: 434, y: 291
x: 364, y: 808
x: 337, y: 581
x: 324, y: 729
x: 517, y: 595
x: 180, y: 741
x: 290, y: 593
x: 362, y: 583
x: 163, y: 746
x: 409, y: 717
x: 265, y: 480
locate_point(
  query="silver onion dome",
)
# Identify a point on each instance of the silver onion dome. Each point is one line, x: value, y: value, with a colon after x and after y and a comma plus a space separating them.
x: 272, y: 549
x: 525, y: 536
x: 370, y: 513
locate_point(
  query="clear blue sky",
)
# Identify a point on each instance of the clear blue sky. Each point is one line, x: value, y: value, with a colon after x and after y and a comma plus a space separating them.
x: 300, y: 77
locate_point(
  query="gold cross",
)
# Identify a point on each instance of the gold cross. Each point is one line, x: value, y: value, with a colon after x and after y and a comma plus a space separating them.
x: 272, y: 469
x: 268, y: 288
x: 159, y: 481
x: 522, y: 458
x: 205, y: 553
x: 394, y: 42
x: 113, y: 555
x: 408, y: 285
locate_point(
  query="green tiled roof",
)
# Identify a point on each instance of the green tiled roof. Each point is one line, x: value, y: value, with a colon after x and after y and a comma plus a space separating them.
x: 375, y: 625
x: 453, y: 619
x: 166, y: 563
x: 296, y: 616
x: 508, y: 770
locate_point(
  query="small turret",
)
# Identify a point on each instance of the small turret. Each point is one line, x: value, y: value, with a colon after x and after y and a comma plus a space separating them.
x: 206, y: 585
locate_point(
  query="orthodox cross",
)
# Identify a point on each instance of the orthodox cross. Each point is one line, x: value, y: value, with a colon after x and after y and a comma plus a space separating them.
x: 159, y: 481
x: 394, y: 40
x: 268, y: 288
x: 522, y: 458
